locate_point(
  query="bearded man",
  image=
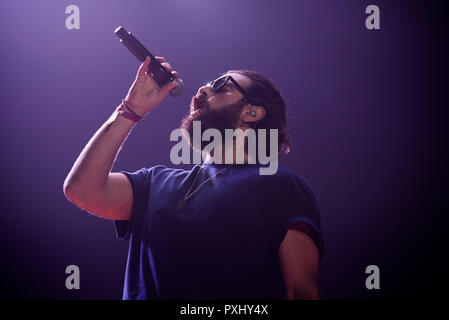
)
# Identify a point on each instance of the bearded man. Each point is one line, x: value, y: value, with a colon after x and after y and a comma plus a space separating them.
x: 220, y: 230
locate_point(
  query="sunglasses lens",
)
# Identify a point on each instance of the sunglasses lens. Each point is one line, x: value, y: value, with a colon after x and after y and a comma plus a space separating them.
x: 219, y: 83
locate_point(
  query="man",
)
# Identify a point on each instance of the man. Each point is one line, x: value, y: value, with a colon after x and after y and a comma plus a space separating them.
x: 217, y: 231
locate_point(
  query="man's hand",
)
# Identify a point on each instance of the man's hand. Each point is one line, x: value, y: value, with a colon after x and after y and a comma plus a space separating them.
x: 145, y: 94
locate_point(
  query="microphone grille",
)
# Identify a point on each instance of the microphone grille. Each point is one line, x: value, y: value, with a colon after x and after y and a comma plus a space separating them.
x: 176, y: 92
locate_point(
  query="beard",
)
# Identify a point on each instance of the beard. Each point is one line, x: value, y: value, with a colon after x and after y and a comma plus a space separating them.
x: 227, y: 117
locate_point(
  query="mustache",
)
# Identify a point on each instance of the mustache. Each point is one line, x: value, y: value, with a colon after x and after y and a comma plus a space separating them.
x: 199, y: 102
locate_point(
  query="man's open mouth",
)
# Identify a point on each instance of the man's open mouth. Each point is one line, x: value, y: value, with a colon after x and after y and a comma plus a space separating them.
x: 197, y: 105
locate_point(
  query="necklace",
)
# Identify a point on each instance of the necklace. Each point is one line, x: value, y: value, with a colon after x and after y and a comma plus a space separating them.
x: 182, y: 203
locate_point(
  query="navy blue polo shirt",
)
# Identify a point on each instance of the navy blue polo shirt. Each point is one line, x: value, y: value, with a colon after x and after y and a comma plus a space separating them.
x: 224, y: 243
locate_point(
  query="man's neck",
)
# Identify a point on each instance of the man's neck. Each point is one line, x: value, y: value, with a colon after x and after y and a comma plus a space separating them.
x: 209, y: 158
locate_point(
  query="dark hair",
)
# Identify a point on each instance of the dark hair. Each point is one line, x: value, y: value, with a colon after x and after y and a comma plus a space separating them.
x: 264, y: 92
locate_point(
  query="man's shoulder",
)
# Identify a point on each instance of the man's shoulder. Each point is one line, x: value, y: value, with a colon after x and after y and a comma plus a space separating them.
x: 287, y: 175
x: 283, y: 175
x: 292, y: 183
x: 289, y: 179
x: 283, y: 178
x: 163, y: 169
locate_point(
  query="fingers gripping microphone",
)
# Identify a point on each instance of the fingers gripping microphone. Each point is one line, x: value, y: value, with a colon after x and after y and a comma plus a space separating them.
x: 155, y: 69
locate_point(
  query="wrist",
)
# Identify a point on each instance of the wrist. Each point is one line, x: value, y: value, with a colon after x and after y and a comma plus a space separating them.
x: 125, y: 109
x: 132, y: 108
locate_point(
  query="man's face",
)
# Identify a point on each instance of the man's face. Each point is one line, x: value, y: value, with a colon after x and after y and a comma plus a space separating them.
x: 218, y: 110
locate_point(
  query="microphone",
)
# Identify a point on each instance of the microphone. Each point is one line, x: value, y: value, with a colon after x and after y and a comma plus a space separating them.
x: 155, y: 69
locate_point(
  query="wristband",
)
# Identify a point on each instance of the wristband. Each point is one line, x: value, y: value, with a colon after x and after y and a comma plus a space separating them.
x: 127, y: 112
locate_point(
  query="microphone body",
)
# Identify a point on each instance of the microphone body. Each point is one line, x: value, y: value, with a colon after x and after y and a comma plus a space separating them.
x: 155, y: 69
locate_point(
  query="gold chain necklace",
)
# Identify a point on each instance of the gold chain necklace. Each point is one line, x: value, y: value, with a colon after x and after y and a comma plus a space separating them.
x: 182, y: 203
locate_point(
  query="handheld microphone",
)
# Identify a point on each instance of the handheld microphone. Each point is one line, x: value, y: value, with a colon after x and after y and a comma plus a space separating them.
x: 155, y: 69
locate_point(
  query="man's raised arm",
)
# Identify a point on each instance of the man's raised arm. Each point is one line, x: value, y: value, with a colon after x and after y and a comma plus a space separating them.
x: 90, y: 184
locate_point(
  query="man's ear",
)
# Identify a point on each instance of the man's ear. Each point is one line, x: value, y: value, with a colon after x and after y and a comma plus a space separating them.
x: 252, y: 114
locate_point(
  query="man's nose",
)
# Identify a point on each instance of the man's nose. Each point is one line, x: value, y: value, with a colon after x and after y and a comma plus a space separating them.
x: 204, y: 91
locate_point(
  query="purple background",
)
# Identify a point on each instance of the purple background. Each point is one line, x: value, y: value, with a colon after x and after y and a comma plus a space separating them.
x: 364, y: 120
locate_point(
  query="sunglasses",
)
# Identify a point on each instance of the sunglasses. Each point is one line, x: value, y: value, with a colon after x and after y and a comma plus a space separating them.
x: 218, y: 84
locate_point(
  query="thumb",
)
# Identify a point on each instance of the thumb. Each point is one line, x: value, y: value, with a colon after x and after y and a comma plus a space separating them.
x: 169, y: 87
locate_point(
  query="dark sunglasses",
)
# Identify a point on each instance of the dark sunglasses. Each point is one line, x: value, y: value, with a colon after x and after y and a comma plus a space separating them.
x: 219, y: 83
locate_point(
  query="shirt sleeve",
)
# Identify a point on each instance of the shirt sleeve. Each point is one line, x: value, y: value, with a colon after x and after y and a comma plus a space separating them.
x: 298, y: 208
x: 140, y: 182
